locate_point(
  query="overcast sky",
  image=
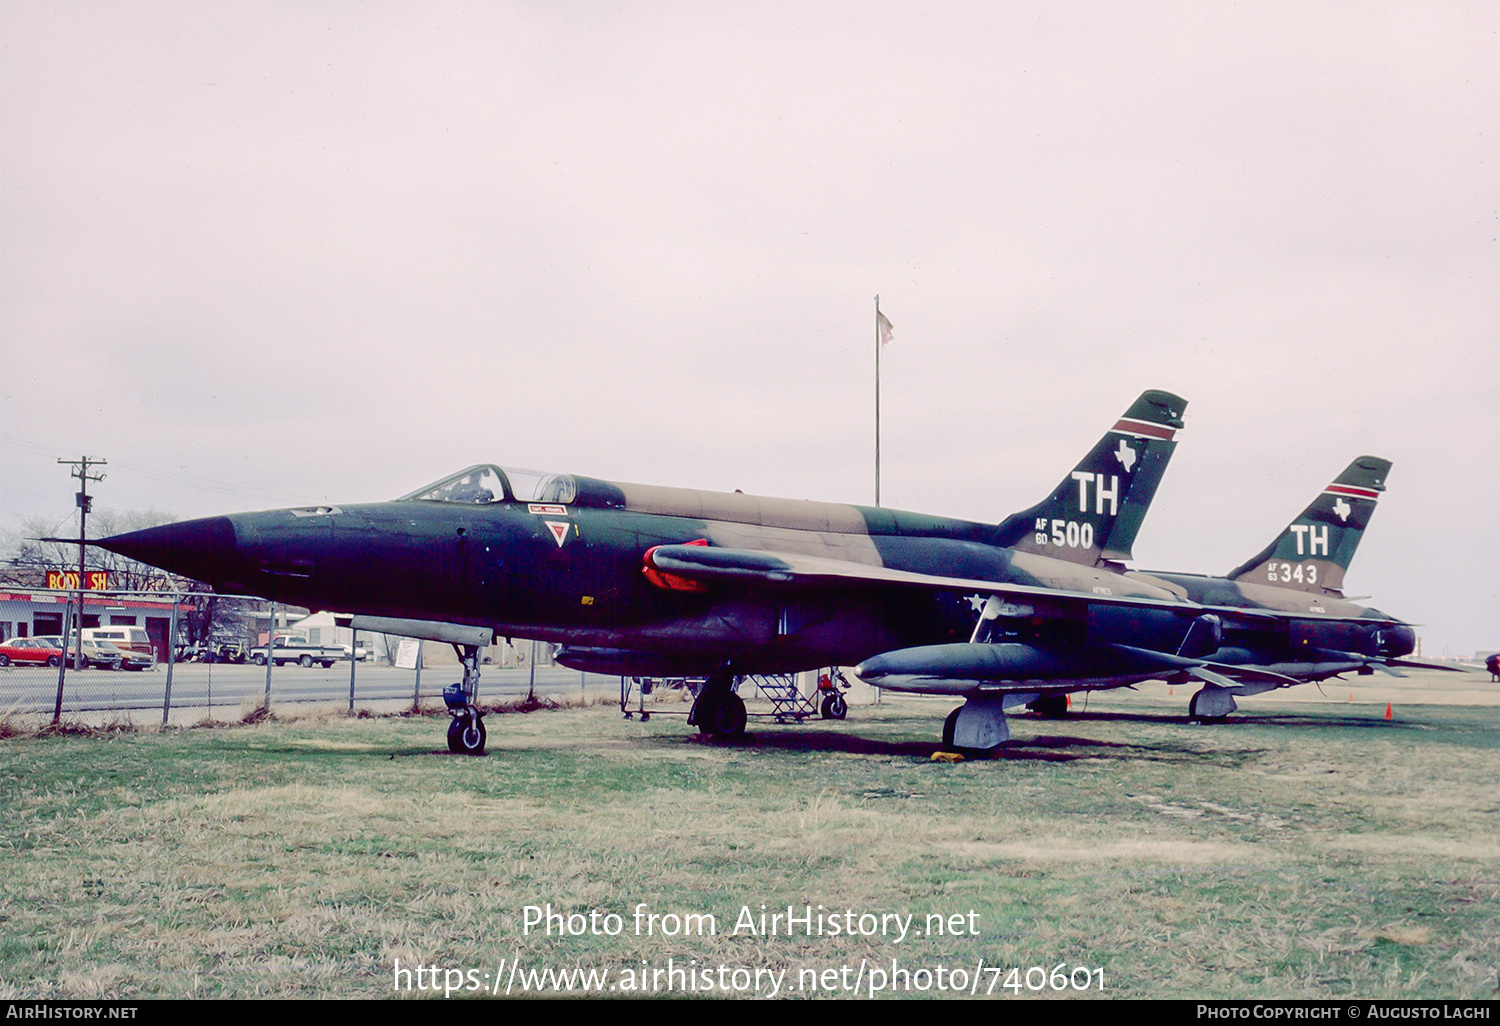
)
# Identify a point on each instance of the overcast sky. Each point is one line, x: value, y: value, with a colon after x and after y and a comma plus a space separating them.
x: 263, y: 254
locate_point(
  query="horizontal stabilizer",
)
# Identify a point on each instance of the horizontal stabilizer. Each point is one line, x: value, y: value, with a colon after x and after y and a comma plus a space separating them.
x: 1417, y: 664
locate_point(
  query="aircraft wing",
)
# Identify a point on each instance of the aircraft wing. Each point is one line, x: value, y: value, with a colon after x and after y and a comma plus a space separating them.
x: 707, y: 565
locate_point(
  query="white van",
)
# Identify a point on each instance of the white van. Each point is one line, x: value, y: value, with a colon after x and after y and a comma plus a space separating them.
x: 123, y: 636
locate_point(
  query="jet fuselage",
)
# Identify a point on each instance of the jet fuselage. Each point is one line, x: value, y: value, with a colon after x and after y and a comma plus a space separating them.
x: 573, y: 573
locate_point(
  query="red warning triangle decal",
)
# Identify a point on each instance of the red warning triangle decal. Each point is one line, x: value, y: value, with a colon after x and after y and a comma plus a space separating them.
x: 559, y: 530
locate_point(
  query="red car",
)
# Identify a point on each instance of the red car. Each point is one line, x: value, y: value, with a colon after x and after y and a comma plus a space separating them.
x: 31, y: 652
x: 47, y: 649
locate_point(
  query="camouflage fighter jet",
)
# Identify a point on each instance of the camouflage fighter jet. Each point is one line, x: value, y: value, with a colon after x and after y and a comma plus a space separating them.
x: 654, y: 581
x: 1300, y: 574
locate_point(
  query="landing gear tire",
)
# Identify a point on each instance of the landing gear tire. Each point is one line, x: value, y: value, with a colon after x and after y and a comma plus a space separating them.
x: 835, y: 707
x: 949, y: 725
x: 466, y: 735
x: 1050, y: 707
x: 724, y: 717
x: 1197, y: 717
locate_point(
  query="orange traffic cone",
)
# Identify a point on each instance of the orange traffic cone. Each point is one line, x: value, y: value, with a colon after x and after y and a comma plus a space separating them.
x: 1387, y: 710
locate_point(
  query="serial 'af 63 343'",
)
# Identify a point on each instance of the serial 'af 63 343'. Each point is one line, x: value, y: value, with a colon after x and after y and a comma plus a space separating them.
x: 655, y: 581
x: 1300, y: 572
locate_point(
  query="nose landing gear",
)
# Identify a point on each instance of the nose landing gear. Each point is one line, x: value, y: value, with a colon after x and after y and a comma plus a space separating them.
x: 466, y: 734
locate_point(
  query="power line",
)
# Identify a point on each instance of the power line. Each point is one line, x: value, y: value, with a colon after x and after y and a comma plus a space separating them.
x: 192, y: 480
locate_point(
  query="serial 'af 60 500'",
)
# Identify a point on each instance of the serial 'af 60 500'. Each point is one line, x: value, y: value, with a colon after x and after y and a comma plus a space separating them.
x: 655, y: 581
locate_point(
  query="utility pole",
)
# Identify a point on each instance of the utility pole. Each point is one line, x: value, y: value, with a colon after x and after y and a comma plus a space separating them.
x: 85, y: 501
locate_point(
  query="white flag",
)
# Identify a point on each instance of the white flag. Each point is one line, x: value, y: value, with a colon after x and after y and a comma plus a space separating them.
x: 883, y: 326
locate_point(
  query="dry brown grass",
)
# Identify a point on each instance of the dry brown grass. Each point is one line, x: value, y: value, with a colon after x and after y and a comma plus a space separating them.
x: 300, y: 857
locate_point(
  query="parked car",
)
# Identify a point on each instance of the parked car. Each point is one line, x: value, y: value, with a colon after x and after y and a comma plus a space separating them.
x: 53, y: 643
x: 298, y: 650
x: 30, y: 652
x: 46, y: 650
x: 124, y: 637
x: 101, y: 654
x: 129, y: 659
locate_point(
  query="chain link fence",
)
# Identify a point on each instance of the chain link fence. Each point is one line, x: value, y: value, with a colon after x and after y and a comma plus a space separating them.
x: 189, y: 681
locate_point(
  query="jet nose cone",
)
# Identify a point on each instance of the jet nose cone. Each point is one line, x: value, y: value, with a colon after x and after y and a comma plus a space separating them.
x: 205, y: 550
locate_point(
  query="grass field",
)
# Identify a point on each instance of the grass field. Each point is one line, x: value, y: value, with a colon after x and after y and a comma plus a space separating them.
x: 1303, y: 850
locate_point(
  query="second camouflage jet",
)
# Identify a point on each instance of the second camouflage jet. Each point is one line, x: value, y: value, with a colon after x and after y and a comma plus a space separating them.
x: 1300, y: 574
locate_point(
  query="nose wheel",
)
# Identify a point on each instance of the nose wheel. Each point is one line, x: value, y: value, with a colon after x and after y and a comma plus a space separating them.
x: 466, y: 734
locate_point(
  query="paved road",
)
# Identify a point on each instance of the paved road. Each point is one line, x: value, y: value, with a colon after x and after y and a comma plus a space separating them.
x: 32, y: 690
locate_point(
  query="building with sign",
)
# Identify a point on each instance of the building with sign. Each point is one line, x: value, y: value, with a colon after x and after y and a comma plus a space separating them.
x: 67, y: 580
x: 30, y: 613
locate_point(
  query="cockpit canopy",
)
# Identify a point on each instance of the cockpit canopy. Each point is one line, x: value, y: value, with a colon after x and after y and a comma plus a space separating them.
x: 486, y: 483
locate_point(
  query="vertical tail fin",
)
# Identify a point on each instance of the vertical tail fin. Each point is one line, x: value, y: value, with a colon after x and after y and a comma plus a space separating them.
x: 1094, y: 515
x: 1316, y: 548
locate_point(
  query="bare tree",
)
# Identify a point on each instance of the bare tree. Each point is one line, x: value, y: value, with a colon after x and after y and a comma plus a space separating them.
x: 29, y: 558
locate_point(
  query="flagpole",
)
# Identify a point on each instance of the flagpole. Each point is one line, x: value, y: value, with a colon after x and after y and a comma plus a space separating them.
x: 879, y: 339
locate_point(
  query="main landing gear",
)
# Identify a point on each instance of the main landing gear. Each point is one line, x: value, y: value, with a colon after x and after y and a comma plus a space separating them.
x: 1211, y: 705
x: 466, y: 734
x: 718, y: 711
x: 978, y: 727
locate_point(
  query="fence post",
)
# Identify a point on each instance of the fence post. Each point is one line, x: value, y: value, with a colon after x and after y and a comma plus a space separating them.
x: 62, y: 666
x: 353, y: 662
x: 270, y: 657
x: 166, y: 700
x: 416, y: 688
